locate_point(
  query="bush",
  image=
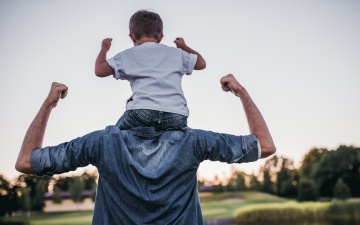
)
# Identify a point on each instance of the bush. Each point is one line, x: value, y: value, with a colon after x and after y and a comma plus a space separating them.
x: 341, y: 190
x: 349, y: 210
x: 307, y: 191
x: 281, y: 212
x: 293, y: 211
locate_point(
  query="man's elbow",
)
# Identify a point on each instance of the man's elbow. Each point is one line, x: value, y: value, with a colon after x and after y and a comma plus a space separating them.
x: 22, y: 167
x: 267, y: 151
x: 19, y: 167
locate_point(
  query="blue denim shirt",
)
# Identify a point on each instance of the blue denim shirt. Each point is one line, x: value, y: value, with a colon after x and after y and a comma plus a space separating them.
x: 145, y: 176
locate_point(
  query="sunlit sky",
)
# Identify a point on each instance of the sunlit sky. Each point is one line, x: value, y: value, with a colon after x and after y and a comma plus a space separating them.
x: 299, y: 60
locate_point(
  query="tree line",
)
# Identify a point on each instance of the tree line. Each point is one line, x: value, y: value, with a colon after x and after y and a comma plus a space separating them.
x: 27, y: 192
x: 323, y: 174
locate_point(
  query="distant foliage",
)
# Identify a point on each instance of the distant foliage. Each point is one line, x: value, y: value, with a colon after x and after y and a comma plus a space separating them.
x: 254, y: 183
x: 307, y: 190
x: 341, y: 190
x: 57, y: 198
x: 76, y: 189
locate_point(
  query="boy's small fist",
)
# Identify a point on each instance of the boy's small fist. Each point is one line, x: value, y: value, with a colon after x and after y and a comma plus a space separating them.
x: 106, y: 44
x: 180, y: 43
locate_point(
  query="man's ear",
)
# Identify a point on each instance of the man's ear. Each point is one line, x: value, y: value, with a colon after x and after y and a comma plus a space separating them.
x: 160, y: 38
x: 132, y: 37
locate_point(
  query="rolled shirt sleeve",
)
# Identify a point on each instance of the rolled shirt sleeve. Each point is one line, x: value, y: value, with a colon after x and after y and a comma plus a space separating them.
x: 116, y: 64
x: 226, y: 148
x: 67, y: 156
x: 189, y: 61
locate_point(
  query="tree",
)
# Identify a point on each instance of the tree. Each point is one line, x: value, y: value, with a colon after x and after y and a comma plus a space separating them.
x: 267, y: 184
x: 307, y: 190
x: 57, y: 198
x: 231, y: 185
x: 240, y: 183
x: 89, y: 180
x: 63, y: 183
x: 4, y: 195
x: 40, y: 190
x: 25, y: 199
x: 8, y: 197
x: 344, y: 163
x: 275, y: 172
x: 37, y: 187
x: 254, y: 183
x: 310, y: 160
x: 76, y: 189
x: 288, y: 189
x: 341, y: 190
x: 284, y: 176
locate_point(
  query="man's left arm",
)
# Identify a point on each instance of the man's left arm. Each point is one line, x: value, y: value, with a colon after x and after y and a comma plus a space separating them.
x: 226, y: 147
x: 35, y: 134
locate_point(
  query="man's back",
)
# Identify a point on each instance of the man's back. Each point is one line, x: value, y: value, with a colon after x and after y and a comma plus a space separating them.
x: 145, y: 176
x: 133, y: 185
x: 140, y: 171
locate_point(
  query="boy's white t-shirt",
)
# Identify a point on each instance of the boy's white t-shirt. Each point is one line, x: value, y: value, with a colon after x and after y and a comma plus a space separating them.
x: 154, y: 72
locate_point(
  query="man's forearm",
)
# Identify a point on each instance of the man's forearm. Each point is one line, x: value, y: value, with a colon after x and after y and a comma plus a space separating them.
x: 257, y: 124
x: 33, y: 139
x: 35, y: 134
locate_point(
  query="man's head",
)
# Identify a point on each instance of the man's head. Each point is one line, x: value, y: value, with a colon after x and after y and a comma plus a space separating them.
x: 145, y: 23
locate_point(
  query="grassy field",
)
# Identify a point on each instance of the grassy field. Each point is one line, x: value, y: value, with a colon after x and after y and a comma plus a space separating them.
x: 225, y: 204
x: 213, y: 206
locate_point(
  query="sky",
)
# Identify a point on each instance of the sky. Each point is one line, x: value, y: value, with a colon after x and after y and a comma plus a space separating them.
x: 299, y: 61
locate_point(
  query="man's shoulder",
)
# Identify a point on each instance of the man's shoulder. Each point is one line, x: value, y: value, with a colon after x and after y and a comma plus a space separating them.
x: 111, y: 129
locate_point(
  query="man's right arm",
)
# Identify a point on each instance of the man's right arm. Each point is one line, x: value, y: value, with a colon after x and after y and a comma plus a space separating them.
x: 256, y: 122
x: 35, y: 134
x: 82, y: 151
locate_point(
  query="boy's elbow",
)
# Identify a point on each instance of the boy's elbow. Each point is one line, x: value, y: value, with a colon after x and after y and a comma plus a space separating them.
x: 98, y: 73
x: 203, y: 65
x: 103, y: 72
x: 200, y: 65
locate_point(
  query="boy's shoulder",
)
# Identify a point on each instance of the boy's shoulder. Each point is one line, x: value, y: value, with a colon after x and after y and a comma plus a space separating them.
x: 150, y: 47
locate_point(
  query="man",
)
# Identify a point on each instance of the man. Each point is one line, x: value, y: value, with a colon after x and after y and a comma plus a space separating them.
x: 145, y: 176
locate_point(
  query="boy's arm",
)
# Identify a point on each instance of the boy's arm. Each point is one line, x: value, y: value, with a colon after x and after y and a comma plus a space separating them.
x: 102, y: 68
x: 200, y: 63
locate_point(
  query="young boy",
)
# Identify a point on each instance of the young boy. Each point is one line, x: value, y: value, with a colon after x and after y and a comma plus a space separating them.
x: 154, y: 71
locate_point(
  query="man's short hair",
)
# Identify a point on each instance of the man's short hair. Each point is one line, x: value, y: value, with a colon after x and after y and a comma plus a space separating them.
x: 145, y: 23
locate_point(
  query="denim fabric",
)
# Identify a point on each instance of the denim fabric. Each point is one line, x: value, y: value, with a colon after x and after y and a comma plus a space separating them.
x: 145, y: 176
x: 147, y: 118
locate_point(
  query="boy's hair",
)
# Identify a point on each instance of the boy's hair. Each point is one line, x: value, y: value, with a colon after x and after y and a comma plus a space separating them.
x: 146, y: 23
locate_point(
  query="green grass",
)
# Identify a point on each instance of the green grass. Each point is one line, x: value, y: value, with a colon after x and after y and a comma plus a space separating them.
x: 216, y: 206
x: 64, y: 218
x: 224, y: 205
x: 343, y: 211
x: 213, y: 206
